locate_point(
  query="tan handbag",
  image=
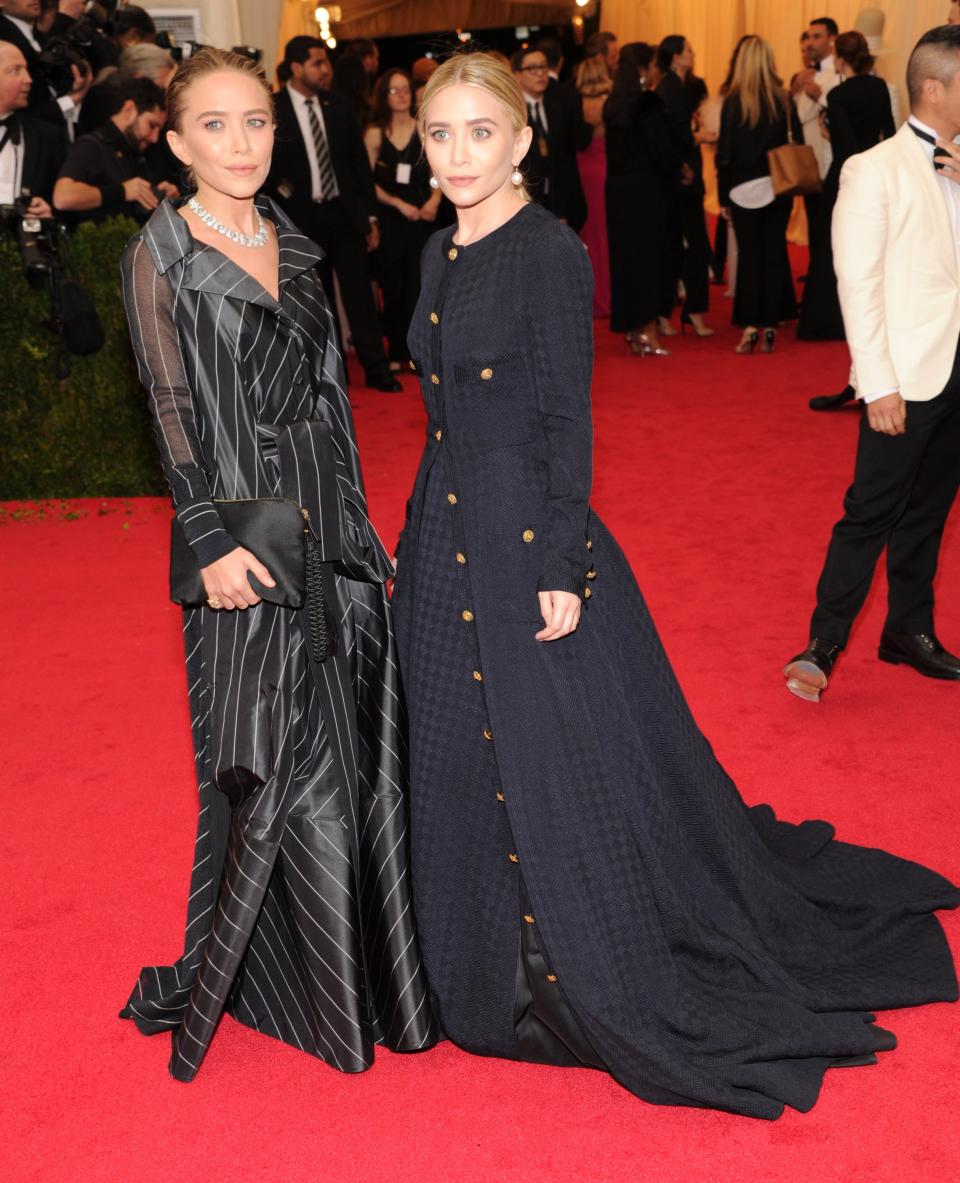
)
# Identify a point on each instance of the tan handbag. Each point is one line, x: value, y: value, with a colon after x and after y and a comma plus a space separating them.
x: 794, y: 170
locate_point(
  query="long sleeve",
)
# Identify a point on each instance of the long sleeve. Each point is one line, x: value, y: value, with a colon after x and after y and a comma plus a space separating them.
x: 860, y: 230
x: 561, y: 332
x: 725, y: 154
x: 148, y: 299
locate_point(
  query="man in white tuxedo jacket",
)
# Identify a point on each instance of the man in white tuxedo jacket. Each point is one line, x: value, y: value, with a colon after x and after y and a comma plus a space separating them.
x: 810, y: 88
x: 896, y: 242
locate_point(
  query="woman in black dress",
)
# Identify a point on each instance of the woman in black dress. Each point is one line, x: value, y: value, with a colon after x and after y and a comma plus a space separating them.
x: 408, y: 205
x: 590, y: 888
x: 858, y: 117
x: 643, y: 169
x: 298, y: 921
x: 755, y: 118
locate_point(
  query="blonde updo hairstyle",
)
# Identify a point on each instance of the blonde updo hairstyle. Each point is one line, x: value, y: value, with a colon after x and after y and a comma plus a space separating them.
x: 488, y: 71
x: 209, y: 61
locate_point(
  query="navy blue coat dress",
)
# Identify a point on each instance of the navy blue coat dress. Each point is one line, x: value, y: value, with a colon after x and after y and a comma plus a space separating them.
x: 589, y: 886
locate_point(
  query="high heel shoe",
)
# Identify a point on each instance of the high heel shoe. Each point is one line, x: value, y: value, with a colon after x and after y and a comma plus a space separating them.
x: 747, y: 342
x: 769, y: 340
x: 665, y: 328
x: 634, y: 344
x: 649, y: 349
x: 699, y: 328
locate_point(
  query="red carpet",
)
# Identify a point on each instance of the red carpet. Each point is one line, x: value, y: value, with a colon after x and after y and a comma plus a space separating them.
x: 722, y: 488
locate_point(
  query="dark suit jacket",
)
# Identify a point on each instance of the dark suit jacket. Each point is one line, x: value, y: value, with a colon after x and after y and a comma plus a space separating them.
x: 859, y: 116
x: 289, y: 179
x: 742, y: 150
x: 41, y: 105
x: 567, y: 134
x: 676, y: 98
x: 43, y: 150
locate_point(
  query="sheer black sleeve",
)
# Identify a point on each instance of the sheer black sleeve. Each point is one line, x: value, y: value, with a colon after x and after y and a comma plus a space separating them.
x: 148, y: 299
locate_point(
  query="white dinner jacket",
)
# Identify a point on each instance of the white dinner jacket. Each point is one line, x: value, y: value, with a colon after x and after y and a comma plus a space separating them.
x: 897, y: 277
x: 809, y: 111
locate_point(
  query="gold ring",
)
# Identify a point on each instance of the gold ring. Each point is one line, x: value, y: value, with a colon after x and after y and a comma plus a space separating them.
x: 213, y: 602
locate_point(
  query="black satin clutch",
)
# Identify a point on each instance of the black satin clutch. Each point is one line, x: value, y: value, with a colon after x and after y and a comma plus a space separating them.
x: 275, y: 529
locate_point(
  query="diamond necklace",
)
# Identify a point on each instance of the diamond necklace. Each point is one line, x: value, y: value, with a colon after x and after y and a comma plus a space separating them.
x: 258, y: 239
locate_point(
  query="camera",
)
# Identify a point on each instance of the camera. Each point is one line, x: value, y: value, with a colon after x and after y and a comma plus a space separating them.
x: 33, y: 239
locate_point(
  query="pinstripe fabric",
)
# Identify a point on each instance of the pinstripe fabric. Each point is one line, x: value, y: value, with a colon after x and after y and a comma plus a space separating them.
x: 299, y: 921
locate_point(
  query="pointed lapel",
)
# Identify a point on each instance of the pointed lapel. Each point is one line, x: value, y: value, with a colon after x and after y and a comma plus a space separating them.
x: 915, y: 158
x: 205, y: 269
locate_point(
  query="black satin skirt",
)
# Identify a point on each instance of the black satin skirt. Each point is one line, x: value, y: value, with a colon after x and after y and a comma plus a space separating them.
x: 299, y: 921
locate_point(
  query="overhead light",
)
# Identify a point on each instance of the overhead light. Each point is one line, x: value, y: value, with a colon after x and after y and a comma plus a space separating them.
x: 464, y: 36
x: 322, y: 15
x: 331, y: 43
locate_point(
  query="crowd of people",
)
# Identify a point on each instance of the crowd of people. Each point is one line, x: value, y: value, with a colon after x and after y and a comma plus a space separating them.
x: 617, y: 152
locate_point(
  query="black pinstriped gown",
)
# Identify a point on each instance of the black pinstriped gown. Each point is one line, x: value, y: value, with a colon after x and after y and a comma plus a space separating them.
x: 299, y: 919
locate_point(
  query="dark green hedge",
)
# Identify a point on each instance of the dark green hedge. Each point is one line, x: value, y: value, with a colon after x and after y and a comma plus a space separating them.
x: 88, y: 435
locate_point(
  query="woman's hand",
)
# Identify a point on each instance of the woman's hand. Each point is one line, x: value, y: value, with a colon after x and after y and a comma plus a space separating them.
x: 951, y: 167
x: 561, y: 614
x: 226, y: 582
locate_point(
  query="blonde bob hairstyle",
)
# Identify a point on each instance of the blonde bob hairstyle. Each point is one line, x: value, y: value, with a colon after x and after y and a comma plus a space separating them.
x: 488, y: 71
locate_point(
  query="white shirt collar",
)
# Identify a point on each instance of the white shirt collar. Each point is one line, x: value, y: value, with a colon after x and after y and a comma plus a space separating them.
x: 301, y: 99
x: 828, y: 63
x: 921, y: 126
x: 25, y: 28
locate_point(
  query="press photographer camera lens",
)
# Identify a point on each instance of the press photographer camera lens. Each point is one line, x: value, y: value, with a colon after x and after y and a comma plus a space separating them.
x: 31, y: 237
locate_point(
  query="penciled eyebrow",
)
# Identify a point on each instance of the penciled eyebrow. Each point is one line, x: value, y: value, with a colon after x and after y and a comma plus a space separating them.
x: 470, y: 123
x: 255, y: 111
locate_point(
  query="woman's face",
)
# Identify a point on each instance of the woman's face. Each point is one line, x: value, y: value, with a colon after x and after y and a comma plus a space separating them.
x: 226, y: 133
x: 399, y: 97
x: 470, y: 143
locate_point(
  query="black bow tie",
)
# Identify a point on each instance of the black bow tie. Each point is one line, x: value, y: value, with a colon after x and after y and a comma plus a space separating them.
x: 940, y: 155
x: 9, y: 129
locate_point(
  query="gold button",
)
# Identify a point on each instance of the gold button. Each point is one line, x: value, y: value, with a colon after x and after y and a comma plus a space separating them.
x: 452, y: 498
x: 551, y: 977
x: 500, y: 797
x: 434, y: 319
x: 528, y: 918
x: 486, y: 374
x: 477, y: 676
x: 438, y: 435
x: 413, y: 365
x: 452, y: 253
x: 461, y: 558
x: 487, y: 734
x: 512, y: 857
x: 589, y: 544
x: 591, y: 574
x: 587, y: 593
x: 528, y: 536
x: 467, y: 615
x: 434, y: 379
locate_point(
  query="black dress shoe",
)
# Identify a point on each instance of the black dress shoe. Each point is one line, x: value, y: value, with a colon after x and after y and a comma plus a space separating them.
x: 922, y: 651
x: 807, y: 673
x: 385, y: 382
x: 830, y: 402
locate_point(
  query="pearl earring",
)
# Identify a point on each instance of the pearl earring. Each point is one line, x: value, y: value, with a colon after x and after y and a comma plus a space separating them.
x: 516, y: 177
x: 434, y: 183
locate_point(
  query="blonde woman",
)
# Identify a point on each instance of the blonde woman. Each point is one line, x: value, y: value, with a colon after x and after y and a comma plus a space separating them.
x: 299, y: 922
x: 589, y: 887
x: 594, y: 85
x: 757, y: 113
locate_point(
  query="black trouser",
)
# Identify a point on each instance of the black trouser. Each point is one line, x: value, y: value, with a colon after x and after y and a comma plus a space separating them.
x: 687, y: 252
x: 397, y: 263
x: 902, y: 491
x: 346, y: 254
x: 763, y: 265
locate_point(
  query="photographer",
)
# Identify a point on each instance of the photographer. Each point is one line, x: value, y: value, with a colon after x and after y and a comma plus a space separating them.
x: 57, y: 104
x: 30, y: 150
x: 105, y: 173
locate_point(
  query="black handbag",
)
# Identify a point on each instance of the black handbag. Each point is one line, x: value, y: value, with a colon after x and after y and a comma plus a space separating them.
x: 297, y: 544
x: 274, y: 529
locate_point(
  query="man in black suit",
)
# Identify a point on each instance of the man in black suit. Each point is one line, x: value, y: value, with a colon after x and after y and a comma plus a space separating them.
x: 30, y: 150
x: 18, y: 26
x: 559, y: 133
x: 321, y: 176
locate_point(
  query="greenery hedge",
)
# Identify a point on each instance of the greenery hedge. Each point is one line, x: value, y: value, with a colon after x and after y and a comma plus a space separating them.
x: 88, y: 435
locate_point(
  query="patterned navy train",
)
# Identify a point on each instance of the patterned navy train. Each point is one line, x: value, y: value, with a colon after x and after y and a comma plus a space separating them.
x: 589, y: 886
x: 299, y: 919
